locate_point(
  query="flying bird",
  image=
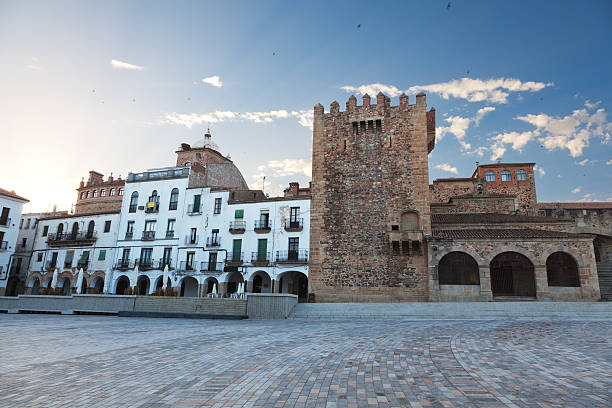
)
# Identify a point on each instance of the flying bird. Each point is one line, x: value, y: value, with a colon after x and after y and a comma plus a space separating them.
x: 358, y: 25
x: 448, y: 6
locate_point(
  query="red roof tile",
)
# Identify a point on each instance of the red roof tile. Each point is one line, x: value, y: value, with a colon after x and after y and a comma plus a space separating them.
x: 12, y: 195
x: 502, y: 234
x: 576, y: 206
x: 490, y: 218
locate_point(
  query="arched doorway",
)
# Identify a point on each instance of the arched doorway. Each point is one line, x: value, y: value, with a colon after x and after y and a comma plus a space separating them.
x: 189, y: 287
x: 65, y: 285
x: 562, y: 270
x: 458, y: 268
x: 12, y: 286
x: 261, y: 282
x: 122, y: 284
x: 35, y: 286
x: 143, y: 285
x: 296, y: 283
x: 232, y: 282
x: 90, y: 229
x: 97, y: 285
x: 75, y: 230
x: 512, y: 275
x: 48, y: 283
x: 210, y: 282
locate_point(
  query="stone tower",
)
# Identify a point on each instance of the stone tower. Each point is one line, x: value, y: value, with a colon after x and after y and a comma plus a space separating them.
x: 370, y: 201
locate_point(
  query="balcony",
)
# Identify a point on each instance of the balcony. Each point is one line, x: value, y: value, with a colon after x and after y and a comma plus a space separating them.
x: 197, y: 210
x: 237, y: 227
x: 3, y: 245
x: 50, y: 265
x: 294, y: 225
x: 294, y: 257
x: 5, y: 222
x: 213, y: 241
x: 262, y: 227
x: 234, y: 259
x: 192, y: 239
x: 84, y: 265
x: 211, y: 267
x: 129, y: 235
x: 260, y: 258
x: 124, y: 264
x: 184, y: 266
x: 148, y: 235
x: 152, y: 205
x: 169, y: 234
x: 69, y: 239
x: 145, y: 264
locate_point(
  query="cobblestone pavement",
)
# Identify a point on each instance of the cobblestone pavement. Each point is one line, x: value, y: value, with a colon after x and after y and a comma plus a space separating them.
x: 95, y: 361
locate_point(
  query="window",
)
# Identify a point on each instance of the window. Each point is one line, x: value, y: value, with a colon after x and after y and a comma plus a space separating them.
x: 170, y: 228
x: 87, y: 194
x: 28, y: 224
x: 237, y: 250
x: 4, y: 217
x: 395, y: 227
x: 294, y: 246
x: 149, y: 225
x: 190, y: 260
x: 193, y: 237
x: 196, y: 203
x: 133, y: 202
x: 295, y: 213
x: 68, y: 259
x: 130, y: 226
x: 121, y: 191
x: 102, y: 255
x: 521, y: 175
x: 212, y: 261
x: 396, y: 247
x: 35, y: 223
x: 239, y: 215
x: 145, y: 256
x: 217, y: 209
x: 262, y: 248
x: 23, y: 242
x: 490, y: 176
x: 125, y: 257
x: 94, y: 193
x: 506, y: 175
x: 167, y: 256
x: 21, y: 224
x: 107, y: 226
x: 174, y: 195
x: 111, y: 192
x: 82, y: 195
x: 102, y: 192
x: 90, y: 229
x: 39, y: 257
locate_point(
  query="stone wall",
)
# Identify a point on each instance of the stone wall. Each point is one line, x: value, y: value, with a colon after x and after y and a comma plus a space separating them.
x: 369, y: 166
x: 442, y: 190
x: 476, y: 204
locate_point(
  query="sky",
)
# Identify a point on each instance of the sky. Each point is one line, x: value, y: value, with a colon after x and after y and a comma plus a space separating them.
x: 116, y: 86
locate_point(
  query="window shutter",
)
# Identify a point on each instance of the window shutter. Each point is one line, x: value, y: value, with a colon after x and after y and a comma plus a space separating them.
x: 239, y: 214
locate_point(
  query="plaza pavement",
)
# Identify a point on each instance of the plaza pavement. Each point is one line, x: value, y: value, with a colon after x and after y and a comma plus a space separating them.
x: 97, y: 361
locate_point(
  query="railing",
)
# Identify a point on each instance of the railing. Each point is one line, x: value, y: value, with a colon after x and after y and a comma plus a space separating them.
x: 191, y: 240
x: 169, y: 234
x: 132, y: 208
x: 129, y: 235
x: 148, y: 235
x: 234, y: 258
x: 144, y: 264
x: 237, y: 226
x: 292, y: 256
x: 261, y: 226
x: 296, y: 224
x: 3, y: 245
x: 211, y: 266
x: 158, y: 174
x: 191, y: 210
x: 165, y: 262
x: 69, y: 237
x: 5, y: 222
x: 185, y: 266
x: 213, y: 241
x: 50, y: 265
x: 124, y: 264
x: 260, y: 258
x: 67, y: 265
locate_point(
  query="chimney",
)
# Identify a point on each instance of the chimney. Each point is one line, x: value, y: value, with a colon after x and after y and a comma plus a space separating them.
x: 295, y: 188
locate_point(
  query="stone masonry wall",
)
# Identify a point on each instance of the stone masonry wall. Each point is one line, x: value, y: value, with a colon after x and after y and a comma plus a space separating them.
x: 369, y: 166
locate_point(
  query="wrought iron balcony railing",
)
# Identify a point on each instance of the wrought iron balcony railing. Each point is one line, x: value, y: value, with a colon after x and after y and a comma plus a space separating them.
x: 294, y: 224
x: 237, y: 227
x: 68, y: 238
x: 192, y: 239
x: 260, y: 258
x: 292, y: 256
x: 234, y: 258
x: 194, y: 210
x: 213, y: 241
x: 262, y: 226
x: 5, y: 222
x: 211, y: 266
x: 148, y: 235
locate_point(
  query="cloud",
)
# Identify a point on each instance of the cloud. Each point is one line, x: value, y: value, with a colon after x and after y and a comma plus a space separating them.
x: 609, y: 162
x: 459, y: 125
x: 494, y: 90
x: 572, y: 132
x: 540, y: 170
x: 586, y: 197
x: 304, y: 117
x: 373, y: 89
x: 213, y: 80
x: 125, y: 65
x: 446, y: 167
x: 481, y: 112
x: 33, y: 67
x: 583, y: 162
x: 591, y: 105
x: 577, y: 190
x: 286, y: 167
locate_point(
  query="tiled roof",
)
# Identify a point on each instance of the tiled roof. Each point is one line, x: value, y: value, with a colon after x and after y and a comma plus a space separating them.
x: 489, y: 218
x: 12, y: 195
x: 576, y: 206
x: 501, y: 234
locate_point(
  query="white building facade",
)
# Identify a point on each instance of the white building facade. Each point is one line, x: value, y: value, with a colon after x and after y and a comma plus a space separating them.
x: 11, y: 206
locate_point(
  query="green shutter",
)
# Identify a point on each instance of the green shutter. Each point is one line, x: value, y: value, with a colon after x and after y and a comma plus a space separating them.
x: 236, y: 250
x: 84, y: 257
x: 196, y: 202
x: 262, y: 248
x: 239, y: 214
x: 102, y: 255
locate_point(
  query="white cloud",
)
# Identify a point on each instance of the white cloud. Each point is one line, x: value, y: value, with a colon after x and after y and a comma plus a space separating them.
x: 285, y: 167
x: 572, y: 132
x: 304, y: 117
x: 446, y: 167
x: 495, y: 90
x: 481, y: 112
x: 540, y: 170
x: 591, y: 105
x: 33, y: 67
x: 125, y: 65
x: 586, y: 197
x: 373, y: 89
x: 577, y: 190
x: 609, y: 162
x: 213, y: 80
x: 459, y: 125
x: 583, y: 162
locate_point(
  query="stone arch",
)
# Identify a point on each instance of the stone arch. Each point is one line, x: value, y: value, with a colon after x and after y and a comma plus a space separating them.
x: 96, y: 284
x: 232, y: 279
x: 561, y: 248
x: 562, y: 270
x: 33, y: 276
x: 143, y: 285
x: 512, y: 274
x: 458, y: 268
x: 66, y: 284
x: 441, y: 253
x: 189, y: 287
x: 35, y: 286
x: 209, y: 282
x: 294, y: 282
x: 511, y: 248
x: 122, y: 283
x: 261, y: 282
